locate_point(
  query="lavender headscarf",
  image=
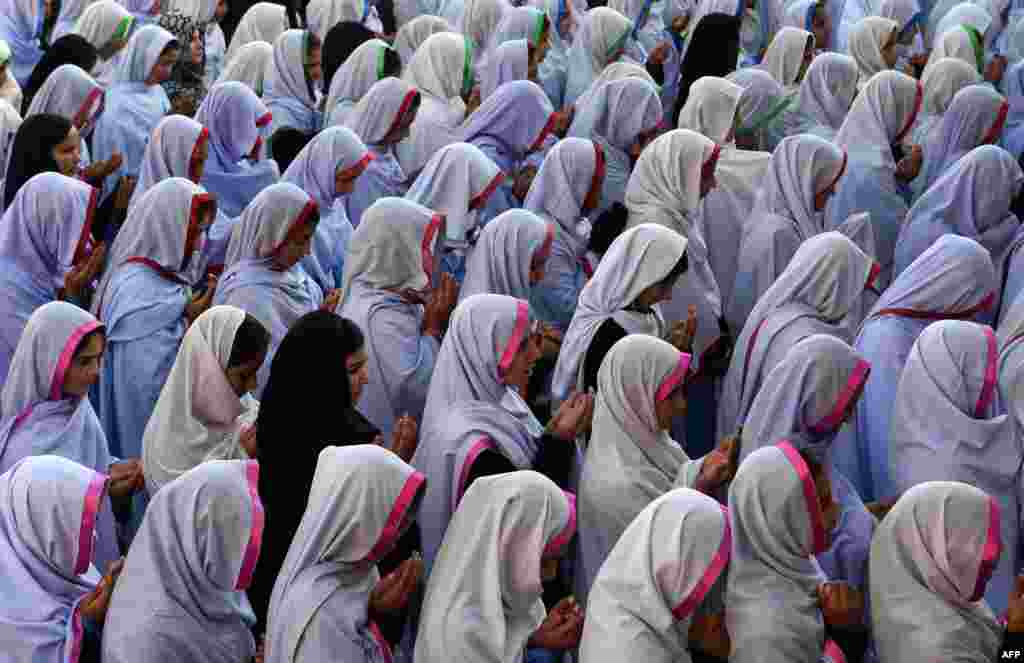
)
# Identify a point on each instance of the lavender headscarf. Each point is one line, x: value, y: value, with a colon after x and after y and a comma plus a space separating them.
x: 773, y: 614
x: 509, y: 62
x: 948, y: 425
x: 48, y: 508
x: 655, y: 580
x: 42, y: 233
x: 315, y: 169
x: 930, y: 561
x: 360, y: 498
x: 506, y: 251
x: 181, y: 595
x: 510, y: 123
x: 173, y: 151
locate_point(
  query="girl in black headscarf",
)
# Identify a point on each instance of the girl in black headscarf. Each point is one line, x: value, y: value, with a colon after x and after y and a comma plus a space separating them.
x: 69, y: 49
x: 713, y: 51
x: 44, y: 143
x: 341, y: 41
x: 297, y: 420
x: 185, y: 87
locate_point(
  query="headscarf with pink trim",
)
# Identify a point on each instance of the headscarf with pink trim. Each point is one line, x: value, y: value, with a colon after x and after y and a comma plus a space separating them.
x: 483, y: 600
x: 655, y: 580
x: 773, y: 613
x: 48, y: 508
x: 930, y: 561
x: 361, y: 498
x: 948, y: 424
x: 630, y: 460
x: 181, y: 595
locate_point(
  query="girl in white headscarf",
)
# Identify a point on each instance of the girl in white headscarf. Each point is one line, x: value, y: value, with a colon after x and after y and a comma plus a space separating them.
x: 202, y: 414
x: 477, y: 20
x: 322, y: 15
x: 805, y: 400
x: 250, y: 65
x: 650, y: 597
x: 953, y: 279
x: 414, y: 32
x: 976, y: 116
x: 637, y: 272
x: 631, y: 458
x: 509, y: 256
x: 264, y: 21
x: 711, y: 109
x: 802, y: 176
x: 483, y: 602
x: 368, y: 64
x: 761, y: 107
x: 442, y: 72
x: 622, y: 117
x: 54, y: 599
x: 823, y: 282
x: 145, y: 301
x: 181, y: 596
x: 553, y: 70
x: 381, y: 119
x: 390, y: 264
x: 873, y: 46
x: 930, y: 562
x: 362, y: 500
x: 566, y: 188
x: 293, y: 82
x: 456, y: 182
x: 973, y: 200
x: 106, y: 25
x: 601, y: 40
x: 73, y: 94
x: 10, y: 91
x: 948, y: 425
x: 262, y: 274
x: 941, y: 83
x: 962, y: 42
x: 880, y: 119
x: 780, y: 609
x: 788, y: 57
x: 670, y: 178
x: 826, y: 94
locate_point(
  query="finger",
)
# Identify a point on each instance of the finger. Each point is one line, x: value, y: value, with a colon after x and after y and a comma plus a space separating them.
x: 1020, y: 585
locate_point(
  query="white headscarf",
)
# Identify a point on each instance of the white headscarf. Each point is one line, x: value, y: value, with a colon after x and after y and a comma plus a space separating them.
x: 508, y: 62
x: 882, y: 114
x: 784, y: 58
x: 70, y: 93
x: 322, y: 15
x: 772, y: 597
x: 867, y: 38
x: 483, y: 600
x: 196, y: 417
x: 562, y: 185
x: 637, y: 259
x: 412, y: 35
x: 929, y: 561
x: 630, y: 461
x: 172, y: 151
x: 380, y: 109
x: 102, y: 22
x: 965, y: 13
x: 249, y: 65
x: 710, y: 108
x: 478, y: 20
x: 619, y: 112
x: 655, y: 579
x: 506, y: 251
x: 287, y: 76
x: 616, y: 71
x: 361, y: 497
x: 957, y: 42
x: 456, y: 182
x: 265, y: 21
x: 392, y: 247
x: 355, y: 77
x: 601, y: 37
x: 943, y: 79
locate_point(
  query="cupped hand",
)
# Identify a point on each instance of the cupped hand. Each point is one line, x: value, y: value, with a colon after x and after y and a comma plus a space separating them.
x: 684, y: 331
x: 404, y: 438
x: 126, y: 478
x: 95, y: 604
x: 842, y: 606
x: 719, y: 465
x: 562, y: 629
x: 393, y: 591
x: 83, y: 273
x: 572, y: 417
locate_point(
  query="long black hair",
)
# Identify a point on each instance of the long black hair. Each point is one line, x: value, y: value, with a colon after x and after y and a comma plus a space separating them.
x: 713, y: 51
x: 32, y: 151
x: 339, y: 43
x: 69, y: 49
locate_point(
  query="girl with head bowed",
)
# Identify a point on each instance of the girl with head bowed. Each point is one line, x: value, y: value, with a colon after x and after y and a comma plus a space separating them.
x: 293, y: 82
x: 826, y: 94
x: 779, y: 605
x: 221, y: 352
x: 372, y: 61
x: 179, y: 147
x: 948, y: 425
x: 56, y: 600
x: 415, y: 31
x: 144, y: 299
x: 873, y: 46
x: 250, y: 66
x: 382, y: 119
x: 601, y: 39
x: 761, y: 109
x: 825, y: 279
x: 328, y: 168
x: 941, y: 84
x: 264, y: 21
x: 483, y: 602
x: 952, y: 279
x: 46, y: 251
x: 322, y: 15
x: 788, y: 57
x: 106, y: 25
x: 566, y: 189
x: 181, y: 595
x: 805, y: 400
x: 362, y: 500
x: 631, y: 459
x: 510, y: 256
x: 46, y: 409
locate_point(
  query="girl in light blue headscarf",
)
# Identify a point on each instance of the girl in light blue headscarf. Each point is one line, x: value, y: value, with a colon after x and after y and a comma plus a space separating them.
x: 293, y: 82
x: 554, y: 68
x: 21, y: 26
x: 135, y: 102
x: 1013, y: 133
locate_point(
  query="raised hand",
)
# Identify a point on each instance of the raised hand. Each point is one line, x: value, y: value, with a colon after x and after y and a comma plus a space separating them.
x: 247, y: 440
x: 439, y: 308
x: 719, y: 465
x: 842, y: 606
x: 393, y: 591
x: 95, y: 604
x: 684, y: 331
x: 201, y: 303
x: 909, y: 166
x: 126, y: 478
x: 82, y: 274
x: 101, y: 170
x: 562, y: 629
x: 572, y: 417
x: 332, y: 300
x: 403, y: 438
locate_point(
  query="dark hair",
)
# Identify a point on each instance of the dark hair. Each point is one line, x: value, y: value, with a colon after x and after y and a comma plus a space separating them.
x: 386, y: 14
x: 32, y: 151
x: 341, y: 41
x: 679, y: 268
x: 609, y: 225
x: 69, y: 49
x: 251, y: 342
x: 285, y: 145
x: 392, y: 63
x: 713, y: 51
x: 99, y: 331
